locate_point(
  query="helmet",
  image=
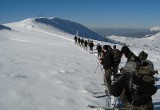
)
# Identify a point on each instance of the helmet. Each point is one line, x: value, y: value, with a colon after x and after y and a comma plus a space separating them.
x: 114, y: 46
x: 148, y: 64
x: 107, y: 47
x: 125, y: 50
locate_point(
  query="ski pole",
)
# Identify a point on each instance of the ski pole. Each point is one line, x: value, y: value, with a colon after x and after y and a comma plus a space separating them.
x: 96, y: 69
x: 101, y: 68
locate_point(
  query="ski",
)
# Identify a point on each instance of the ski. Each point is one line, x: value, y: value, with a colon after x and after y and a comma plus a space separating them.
x: 99, y: 107
x: 95, y: 92
x: 103, y: 84
x: 98, y: 92
x: 100, y: 96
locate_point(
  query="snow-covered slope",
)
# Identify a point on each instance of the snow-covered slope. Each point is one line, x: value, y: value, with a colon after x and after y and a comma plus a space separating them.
x: 151, y: 43
x: 42, y: 69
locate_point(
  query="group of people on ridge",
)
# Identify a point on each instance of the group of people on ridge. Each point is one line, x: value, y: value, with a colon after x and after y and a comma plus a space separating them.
x: 135, y: 83
x: 84, y: 43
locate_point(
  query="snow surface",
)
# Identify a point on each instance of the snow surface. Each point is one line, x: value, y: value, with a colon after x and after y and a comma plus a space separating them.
x: 42, y: 68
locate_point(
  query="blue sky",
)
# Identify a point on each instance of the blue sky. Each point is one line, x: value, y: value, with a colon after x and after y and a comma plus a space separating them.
x: 90, y: 13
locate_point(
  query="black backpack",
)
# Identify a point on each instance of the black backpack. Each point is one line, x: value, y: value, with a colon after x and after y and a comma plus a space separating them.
x: 140, y: 91
x: 141, y: 81
x: 145, y: 70
x: 117, y: 56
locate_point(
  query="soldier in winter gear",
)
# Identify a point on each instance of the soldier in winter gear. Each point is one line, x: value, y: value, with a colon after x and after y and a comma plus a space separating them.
x: 75, y: 39
x: 91, y: 45
x: 129, y: 54
x: 107, y: 61
x: 82, y: 41
x: 135, y: 86
x: 79, y: 41
x: 138, y: 93
x: 85, y: 44
x: 117, y: 59
x: 99, y: 50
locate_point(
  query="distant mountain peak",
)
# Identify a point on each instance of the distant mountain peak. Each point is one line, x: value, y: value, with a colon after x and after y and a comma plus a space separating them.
x: 156, y: 28
x: 70, y: 27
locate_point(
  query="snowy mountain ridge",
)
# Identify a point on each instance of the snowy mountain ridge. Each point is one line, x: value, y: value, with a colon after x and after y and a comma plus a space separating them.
x: 156, y: 28
x: 144, y: 42
x: 127, y: 32
x: 62, y: 25
x: 70, y: 27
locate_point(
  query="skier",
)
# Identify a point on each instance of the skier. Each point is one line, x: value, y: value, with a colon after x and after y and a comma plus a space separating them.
x: 138, y: 89
x: 117, y: 59
x: 85, y: 44
x: 99, y: 49
x: 107, y: 61
x: 129, y: 54
x: 75, y: 39
x: 91, y: 45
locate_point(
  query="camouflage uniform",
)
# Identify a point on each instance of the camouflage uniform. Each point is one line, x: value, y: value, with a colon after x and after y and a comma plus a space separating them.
x: 138, y: 94
x: 107, y: 62
x: 148, y: 106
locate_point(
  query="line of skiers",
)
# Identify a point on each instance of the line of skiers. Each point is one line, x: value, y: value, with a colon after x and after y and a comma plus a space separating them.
x: 135, y: 82
x: 134, y: 85
x: 84, y: 43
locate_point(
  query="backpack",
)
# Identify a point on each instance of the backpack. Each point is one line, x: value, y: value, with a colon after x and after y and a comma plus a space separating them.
x: 145, y: 70
x: 130, y: 67
x: 117, y: 56
x: 141, y: 81
x: 140, y: 91
x: 142, y: 56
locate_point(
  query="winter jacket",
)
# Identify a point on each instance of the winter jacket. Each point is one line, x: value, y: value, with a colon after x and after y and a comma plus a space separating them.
x: 99, y: 48
x: 107, y: 60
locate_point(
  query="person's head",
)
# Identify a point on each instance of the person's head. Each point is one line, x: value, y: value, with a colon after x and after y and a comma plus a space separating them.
x: 114, y: 47
x: 125, y: 50
x: 148, y: 64
x: 107, y: 48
